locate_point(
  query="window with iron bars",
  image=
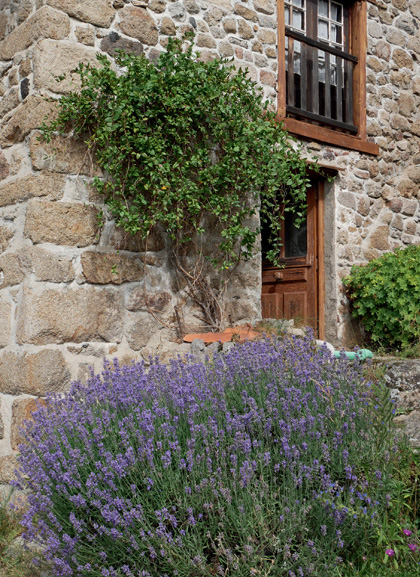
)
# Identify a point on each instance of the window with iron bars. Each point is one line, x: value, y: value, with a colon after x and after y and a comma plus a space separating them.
x: 319, y: 66
x: 322, y: 70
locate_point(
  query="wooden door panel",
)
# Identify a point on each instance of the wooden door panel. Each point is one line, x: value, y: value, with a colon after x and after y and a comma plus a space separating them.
x: 294, y: 275
x: 272, y: 306
x: 295, y: 306
x: 285, y: 275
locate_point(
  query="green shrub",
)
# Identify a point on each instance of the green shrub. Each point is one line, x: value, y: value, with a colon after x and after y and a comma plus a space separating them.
x: 385, y: 295
x: 180, y: 139
x: 190, y: 147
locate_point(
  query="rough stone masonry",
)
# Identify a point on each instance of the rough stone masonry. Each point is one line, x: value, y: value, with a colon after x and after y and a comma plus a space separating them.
x: 62, y: 308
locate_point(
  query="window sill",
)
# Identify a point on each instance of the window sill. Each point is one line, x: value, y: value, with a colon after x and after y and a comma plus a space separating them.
x: 332, y: 137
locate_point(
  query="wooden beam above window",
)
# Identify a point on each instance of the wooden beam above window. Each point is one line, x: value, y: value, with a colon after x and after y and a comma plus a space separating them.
x: 322, y: 134
x: 327, y: 168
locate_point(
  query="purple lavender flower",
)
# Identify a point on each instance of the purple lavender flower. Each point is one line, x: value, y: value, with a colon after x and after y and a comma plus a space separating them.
x: 162, y: 471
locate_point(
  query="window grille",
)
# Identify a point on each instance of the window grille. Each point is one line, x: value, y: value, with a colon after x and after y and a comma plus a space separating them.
x: 319, y: 65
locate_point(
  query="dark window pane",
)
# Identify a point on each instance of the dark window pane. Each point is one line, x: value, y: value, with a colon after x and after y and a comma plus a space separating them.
x: 266, y: 245
x: 295, y: 241
x: 336, y: 12
x: 336, y: 35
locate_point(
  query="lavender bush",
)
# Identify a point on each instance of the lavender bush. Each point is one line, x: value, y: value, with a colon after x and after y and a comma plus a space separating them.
x: 265, y: 461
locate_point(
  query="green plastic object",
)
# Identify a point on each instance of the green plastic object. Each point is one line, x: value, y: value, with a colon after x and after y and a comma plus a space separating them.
x: 362, y: 354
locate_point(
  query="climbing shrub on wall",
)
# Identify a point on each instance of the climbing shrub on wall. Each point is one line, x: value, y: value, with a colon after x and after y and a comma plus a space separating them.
x: 386, y: 297
x: 188, y: 145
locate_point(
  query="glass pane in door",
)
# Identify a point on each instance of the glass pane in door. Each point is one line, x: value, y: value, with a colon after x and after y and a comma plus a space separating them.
x: 295, y: 238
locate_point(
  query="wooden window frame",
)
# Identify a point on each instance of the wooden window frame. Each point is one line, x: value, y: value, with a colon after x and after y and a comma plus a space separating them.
x: 358, y: 47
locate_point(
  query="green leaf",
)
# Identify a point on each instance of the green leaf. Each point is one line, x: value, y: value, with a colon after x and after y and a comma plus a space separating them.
x: 186, y: 143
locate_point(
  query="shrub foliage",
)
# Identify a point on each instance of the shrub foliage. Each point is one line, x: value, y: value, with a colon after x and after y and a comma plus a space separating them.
x: 189, y: 146
x: 266, y: 461
x: 385, y: 295
x: 180, y: 138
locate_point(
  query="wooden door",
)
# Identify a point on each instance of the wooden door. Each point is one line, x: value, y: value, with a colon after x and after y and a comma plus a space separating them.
x: 291, y: 291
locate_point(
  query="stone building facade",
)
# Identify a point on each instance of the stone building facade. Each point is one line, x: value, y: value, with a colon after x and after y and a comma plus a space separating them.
x: 62, y: 307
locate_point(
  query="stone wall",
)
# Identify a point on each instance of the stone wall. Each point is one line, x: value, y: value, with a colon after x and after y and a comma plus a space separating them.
x: 402, y: 376
x: 376, y: 199
x: 71, y: 293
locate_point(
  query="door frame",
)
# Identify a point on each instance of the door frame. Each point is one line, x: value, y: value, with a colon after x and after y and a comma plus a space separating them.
x: 319, y: 184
